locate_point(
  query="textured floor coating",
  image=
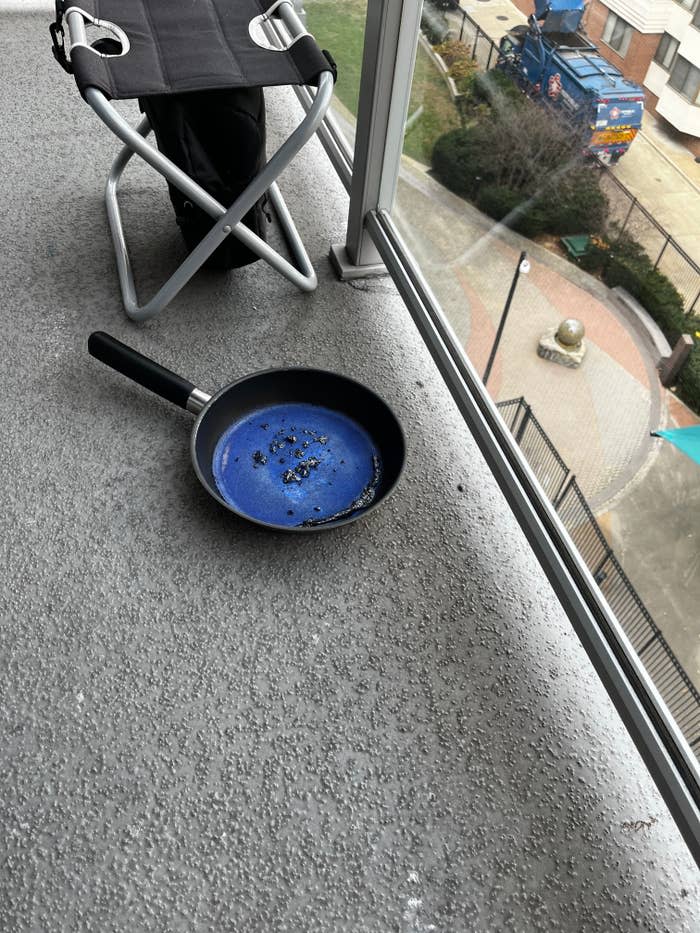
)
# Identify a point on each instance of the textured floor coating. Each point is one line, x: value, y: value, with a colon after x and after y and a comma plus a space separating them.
x: 206, y: 726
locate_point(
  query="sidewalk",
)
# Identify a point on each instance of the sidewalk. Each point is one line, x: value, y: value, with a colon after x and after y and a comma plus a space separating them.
x: 665, y: 178
x: 494, y: 18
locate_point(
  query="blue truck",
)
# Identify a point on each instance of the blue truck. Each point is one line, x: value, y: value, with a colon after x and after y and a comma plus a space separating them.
x: 553, y: 62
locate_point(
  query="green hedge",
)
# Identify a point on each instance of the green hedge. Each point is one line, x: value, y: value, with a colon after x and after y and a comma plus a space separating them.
x: 594, y: 259
x: 556, y: 212
x: 663, y: 301
x: 461, y: 160
x: 497, y: 201
x: 495, y: 88
x: 576, y: 204
x: 464, y: 163
x: 629, y: 267
x: 688, y: 387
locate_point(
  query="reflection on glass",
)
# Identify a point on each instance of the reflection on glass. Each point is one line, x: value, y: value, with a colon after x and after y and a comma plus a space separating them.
x: 340, y: 27
x: 488, y: 172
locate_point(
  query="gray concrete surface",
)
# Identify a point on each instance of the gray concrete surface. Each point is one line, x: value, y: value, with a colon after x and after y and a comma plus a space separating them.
x: 495, y: 17
x: 209, y: 727
x: 666, y: 179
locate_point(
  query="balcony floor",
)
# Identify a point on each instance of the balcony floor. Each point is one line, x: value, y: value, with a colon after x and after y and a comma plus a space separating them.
x: 206, y: 726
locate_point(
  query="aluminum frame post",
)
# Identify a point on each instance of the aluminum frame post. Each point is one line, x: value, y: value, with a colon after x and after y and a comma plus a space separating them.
x: 391, y: 39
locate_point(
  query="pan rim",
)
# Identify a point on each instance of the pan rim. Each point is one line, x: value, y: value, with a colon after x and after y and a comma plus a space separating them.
x: 298, y: 529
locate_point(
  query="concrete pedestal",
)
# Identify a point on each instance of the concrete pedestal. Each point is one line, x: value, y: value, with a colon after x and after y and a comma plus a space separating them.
x: 549, y: 348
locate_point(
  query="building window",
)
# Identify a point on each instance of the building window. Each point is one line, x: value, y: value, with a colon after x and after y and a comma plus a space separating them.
x: 685, y: 78
x: 666, y: 51
x: 617, y: 34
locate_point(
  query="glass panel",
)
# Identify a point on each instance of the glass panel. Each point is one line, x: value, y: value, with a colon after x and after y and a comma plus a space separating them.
x: 666, y: 51
x: 680, y: 70
x: 340, y: 27
x: 490, y: 173
x: 609, y: 27
x: 685, y: 78
x: 691, y: 86
x: 617, y: 34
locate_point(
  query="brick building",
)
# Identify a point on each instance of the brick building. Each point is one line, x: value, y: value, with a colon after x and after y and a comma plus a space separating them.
x: 629, y: 49
x: 655, y: 43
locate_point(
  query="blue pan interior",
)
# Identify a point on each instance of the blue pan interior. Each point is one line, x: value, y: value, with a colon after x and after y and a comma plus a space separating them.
x: 296, y: 464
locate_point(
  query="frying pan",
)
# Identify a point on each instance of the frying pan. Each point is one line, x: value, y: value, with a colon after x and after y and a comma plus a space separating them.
x: 292, y: 449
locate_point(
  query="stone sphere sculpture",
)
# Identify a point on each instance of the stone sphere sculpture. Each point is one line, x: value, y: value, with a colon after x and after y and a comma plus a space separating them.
x: 570, y: 333
x: 564, y: 344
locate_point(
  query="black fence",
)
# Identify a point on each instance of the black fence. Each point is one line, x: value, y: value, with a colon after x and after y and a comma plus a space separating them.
x: 560, y: 486
x: 463, y: 27
x: 627, y: 215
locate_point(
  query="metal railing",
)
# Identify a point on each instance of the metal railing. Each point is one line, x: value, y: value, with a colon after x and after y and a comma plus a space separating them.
x: 559, y: 483
x: 627, y: 214
x: 484, y: 49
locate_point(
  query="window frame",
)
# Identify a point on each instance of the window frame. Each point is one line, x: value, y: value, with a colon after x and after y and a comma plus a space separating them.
x: 627, y: 31
x: 691, y: 71
x: 661, y: 62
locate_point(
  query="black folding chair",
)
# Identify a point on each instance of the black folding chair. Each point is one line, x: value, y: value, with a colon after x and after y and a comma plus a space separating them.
x: 176, y: 46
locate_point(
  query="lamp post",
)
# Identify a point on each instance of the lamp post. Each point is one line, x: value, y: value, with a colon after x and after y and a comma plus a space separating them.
x: 524, y: 267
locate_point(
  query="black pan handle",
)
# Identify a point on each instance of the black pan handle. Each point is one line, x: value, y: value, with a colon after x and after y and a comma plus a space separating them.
x: 141, y: 369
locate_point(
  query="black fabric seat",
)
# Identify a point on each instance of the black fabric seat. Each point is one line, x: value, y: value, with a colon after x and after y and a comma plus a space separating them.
x: 189, y: 45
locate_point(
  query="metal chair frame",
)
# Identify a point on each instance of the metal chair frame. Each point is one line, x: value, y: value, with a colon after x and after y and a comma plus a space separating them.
x: 227, y: 220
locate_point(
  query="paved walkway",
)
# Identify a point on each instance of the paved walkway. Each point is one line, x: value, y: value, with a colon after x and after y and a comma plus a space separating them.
x: 496, y: 17
x: 665, y: 178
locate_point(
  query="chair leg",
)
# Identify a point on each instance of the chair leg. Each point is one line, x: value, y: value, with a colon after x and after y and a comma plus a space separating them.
x: 226, y: 221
